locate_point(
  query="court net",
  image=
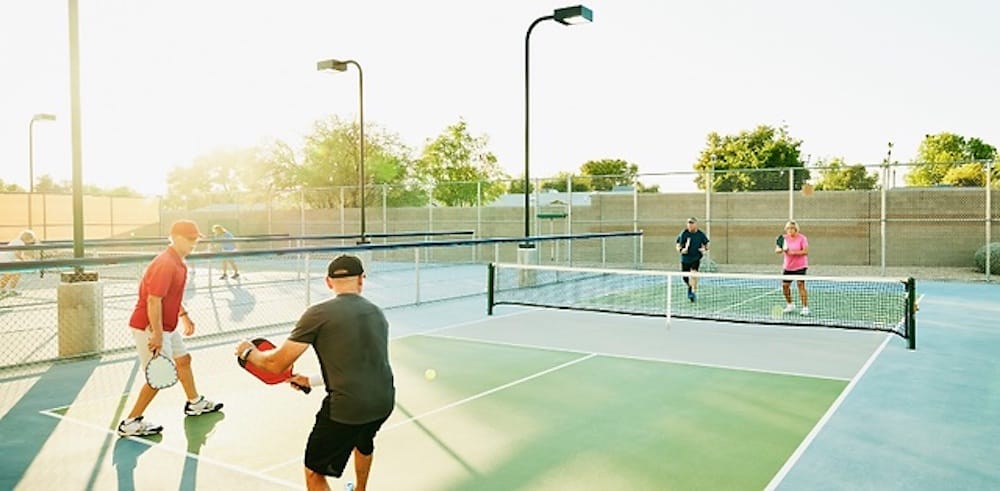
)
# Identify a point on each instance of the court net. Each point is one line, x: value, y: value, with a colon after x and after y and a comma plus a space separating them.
x: 881, y: 304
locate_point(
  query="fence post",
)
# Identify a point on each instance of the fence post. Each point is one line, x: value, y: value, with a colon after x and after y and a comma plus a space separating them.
x: 989, y: 215
x: 569, y: 219
x: 791, y: 193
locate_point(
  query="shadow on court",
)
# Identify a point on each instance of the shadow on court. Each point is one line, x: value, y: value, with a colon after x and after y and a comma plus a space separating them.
x: 23, y: 430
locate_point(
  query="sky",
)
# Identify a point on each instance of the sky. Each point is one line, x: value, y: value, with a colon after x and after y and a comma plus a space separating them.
x: 165, y: 82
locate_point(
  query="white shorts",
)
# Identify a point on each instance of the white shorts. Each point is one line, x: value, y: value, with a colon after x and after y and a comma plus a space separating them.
x: 173, y: 344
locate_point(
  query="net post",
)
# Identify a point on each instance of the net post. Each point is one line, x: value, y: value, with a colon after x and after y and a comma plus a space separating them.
x: 490, y: 275
x: 911, y: 313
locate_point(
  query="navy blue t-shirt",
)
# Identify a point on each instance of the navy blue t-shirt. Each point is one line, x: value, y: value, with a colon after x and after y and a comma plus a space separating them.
x: 698, y: 240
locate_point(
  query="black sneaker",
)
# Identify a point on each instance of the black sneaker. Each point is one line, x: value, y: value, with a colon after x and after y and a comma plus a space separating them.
x: 235, y: 275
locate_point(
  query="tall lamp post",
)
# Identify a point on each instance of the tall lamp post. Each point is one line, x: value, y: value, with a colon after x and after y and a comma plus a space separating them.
x: 341, y: 66
x: 31, y: 158
x: 566, y: 16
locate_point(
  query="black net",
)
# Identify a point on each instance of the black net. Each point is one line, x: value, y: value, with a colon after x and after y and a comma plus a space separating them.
x: 857, y: 303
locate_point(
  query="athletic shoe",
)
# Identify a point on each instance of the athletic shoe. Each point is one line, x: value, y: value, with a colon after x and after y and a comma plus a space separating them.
x: 691, y: 295
x: 222, y: 277
x: 137, y: 427
x: 202, y: 406
x: 235, y: 275
x: 805, y: 310
x: 789, y: 308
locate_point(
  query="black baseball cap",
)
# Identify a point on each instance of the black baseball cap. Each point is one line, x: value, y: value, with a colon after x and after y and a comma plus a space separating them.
x: 344, y: 266
x: 692, y: 220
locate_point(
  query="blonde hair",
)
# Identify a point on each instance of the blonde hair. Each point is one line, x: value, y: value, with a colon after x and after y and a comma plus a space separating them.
x: 792, y: 224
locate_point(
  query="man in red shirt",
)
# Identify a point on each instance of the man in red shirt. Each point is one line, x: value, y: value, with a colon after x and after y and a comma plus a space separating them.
x: 154, y: 327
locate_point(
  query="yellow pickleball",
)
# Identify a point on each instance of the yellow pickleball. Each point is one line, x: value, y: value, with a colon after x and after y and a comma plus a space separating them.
x: 430, y: 374
x: 777, y: 312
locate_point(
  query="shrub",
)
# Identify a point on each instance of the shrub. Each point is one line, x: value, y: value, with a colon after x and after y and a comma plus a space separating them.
x: 994, y: 258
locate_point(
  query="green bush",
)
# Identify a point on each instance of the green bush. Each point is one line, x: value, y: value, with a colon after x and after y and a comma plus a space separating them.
x: 994, y: 258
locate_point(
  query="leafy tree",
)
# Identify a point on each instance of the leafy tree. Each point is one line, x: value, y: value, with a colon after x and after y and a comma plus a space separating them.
x: 46, y: 184
x: 605, y: 174
x: 217, y: 177
x: 835, y: 175
x: 947, y: 158
x: 756, y: 160
x: 10, y: 188
x: 461, y: 160
x: 655, y: 188
x: 516, y: 186
x: 558, y: 183
x: 331, y: 158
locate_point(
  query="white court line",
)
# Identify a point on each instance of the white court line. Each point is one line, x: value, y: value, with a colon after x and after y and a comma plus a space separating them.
x: 794, y: 458
x: 157, y: 445
x: 460, y: 324
x: 640, y: 358
x: 762, y: 295
x: 462, y: 401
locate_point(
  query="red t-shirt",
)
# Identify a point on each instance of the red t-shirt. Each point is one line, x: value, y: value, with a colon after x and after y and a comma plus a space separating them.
x: 165, y: 277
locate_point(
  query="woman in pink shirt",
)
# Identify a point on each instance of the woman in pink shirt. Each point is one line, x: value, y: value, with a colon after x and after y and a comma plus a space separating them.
x: 796, y: 255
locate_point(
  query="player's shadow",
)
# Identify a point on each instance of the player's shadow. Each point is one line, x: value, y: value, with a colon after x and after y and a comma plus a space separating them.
x: 126, y: 456
x: 241, y: 303
x: 196, y: 430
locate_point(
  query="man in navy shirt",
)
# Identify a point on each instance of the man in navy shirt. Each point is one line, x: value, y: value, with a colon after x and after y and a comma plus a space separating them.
x: 692, y: 243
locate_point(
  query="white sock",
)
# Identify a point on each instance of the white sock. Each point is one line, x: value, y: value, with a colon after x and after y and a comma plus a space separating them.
x: 195, y: 400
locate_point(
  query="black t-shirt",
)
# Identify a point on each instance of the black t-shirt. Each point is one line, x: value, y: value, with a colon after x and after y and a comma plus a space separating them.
x: 351, y: 338
x: 694, y: 241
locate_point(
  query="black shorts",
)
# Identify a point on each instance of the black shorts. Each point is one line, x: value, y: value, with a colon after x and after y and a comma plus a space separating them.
x: 691, y: 266
x: 800, y: 272
x: 331, y: 443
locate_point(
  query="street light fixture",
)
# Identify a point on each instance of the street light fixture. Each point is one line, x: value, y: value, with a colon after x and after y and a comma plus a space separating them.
x: 31, y: 158
x: 341, y: 66
x: 577, y: 14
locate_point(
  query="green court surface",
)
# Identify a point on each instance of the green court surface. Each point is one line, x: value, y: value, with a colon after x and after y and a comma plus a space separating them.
x: 543, y: 399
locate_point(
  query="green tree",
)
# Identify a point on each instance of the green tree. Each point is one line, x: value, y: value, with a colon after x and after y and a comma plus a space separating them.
x: 835, y: 175
x: 10, y: 188
x: 456, y: 163
x: 947, y: 158
x: 331, y: 157
x: 558, y: 183
x: 46, y: 184
x: 757, y: 160
x: 605, y: 174
x: 219, y: 176
x: 516, y: 186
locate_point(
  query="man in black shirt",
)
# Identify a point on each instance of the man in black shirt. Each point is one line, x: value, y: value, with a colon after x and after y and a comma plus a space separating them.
x: 350, y: 336
x: 692, y: 243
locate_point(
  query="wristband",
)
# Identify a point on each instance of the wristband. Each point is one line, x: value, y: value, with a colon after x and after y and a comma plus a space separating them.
x: 316, y: 380
x: 246, y: 353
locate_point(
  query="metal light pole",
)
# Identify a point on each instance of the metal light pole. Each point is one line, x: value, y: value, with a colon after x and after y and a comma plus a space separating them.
x: 567, y: 16
x: 31, y: 158
x: 341, y: 66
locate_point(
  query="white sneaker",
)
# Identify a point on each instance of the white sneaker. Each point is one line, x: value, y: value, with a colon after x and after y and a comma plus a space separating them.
x: 789, y: 308
x: 137, y: 427
x: 805, y: 310
x: 202, y: 406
